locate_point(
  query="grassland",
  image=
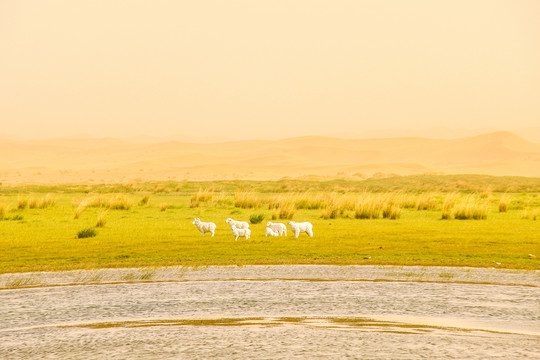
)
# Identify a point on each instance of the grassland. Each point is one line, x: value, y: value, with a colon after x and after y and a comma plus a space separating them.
x: 415, y: 220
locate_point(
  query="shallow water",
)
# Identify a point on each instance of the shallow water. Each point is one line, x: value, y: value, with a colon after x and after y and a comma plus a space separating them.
x: 276, y: 319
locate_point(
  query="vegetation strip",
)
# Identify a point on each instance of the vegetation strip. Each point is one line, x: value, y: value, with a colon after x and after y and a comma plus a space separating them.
x: 472, y: 221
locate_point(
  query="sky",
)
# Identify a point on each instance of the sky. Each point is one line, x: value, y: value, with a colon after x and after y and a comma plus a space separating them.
x: 226, y: 69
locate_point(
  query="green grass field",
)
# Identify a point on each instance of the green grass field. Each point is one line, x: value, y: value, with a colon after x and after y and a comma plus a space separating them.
x: 42, y: 236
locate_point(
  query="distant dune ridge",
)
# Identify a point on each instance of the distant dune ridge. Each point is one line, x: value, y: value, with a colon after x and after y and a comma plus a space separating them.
x: 112, y: 160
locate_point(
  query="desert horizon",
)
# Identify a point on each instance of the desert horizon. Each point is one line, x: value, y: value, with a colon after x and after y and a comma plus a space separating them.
x: 107, y: 160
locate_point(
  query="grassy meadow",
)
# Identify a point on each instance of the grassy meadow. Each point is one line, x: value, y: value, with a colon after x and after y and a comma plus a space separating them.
x: 478, y: 221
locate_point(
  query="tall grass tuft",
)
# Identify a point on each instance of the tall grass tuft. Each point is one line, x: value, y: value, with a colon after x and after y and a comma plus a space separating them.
x: 246, y: 200
x: 529, y: 213
x: 86, y: 233
x: 486, y: 194
x: 79, y: 209
x: 3, y: 211
x: 22, y: 203
x: 471, y: 208
x: 504, y: 203
x: 391, y: 211
x: 120, y: 202
x: 256, y: 218
x: 102, y: 219
x: 203, y: 195
x: 368, y: 207
x: 311, y: 201
x: 448, y: 205
x: 405, y: 201
x: 144, y: 201
x: 32, y: 203
x: 426, y: 202
x: 46, y: 202
x: 115, y: 202
x: 286, y: 212
x: 331, y: 212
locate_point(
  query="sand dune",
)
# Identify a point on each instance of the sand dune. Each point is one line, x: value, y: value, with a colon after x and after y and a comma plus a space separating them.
x: 112, y: 160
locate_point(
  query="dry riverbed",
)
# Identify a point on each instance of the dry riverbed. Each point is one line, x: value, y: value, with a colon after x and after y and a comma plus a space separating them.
x: 279, y: 312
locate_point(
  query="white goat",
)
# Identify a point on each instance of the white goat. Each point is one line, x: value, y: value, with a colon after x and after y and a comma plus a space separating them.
x: 204, y: 227
x: 238, y: 224
x: 240, y: 232
x: 280, y: 228
x: 297, y: 228
x: 271, y: 232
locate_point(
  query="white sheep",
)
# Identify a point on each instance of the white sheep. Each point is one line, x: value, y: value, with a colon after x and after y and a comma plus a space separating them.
x: 297, y: 228
x: 238, y: 224
x: 240, y: 232
x: 271, y: 232
x: 280, y: 228
x: 204, y: 227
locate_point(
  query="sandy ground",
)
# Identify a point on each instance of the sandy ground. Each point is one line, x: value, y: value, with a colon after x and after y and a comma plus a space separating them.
x: 277, y: 312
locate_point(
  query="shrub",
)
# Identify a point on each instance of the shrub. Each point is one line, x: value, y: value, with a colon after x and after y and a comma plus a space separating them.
x: 86, y: 233
x: 256, y: 218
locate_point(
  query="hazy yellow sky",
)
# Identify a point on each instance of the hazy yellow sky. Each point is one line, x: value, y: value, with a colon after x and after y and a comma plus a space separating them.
x: 241, y: 69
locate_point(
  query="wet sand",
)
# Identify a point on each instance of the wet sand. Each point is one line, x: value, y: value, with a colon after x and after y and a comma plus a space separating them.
x: 276, y: 312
